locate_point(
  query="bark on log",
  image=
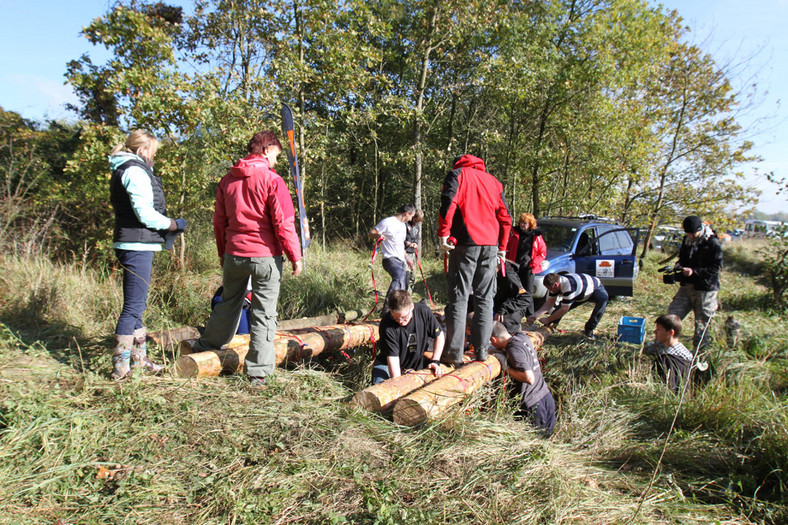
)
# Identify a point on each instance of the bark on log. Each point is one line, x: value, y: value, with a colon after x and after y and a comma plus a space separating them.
x: 292, y: 346
x: 307, y: 322
x: 429, y: 401
x: 381, y: 397
x: 173, y: 337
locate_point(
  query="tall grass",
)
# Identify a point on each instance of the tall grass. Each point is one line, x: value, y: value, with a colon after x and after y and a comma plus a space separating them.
x: 77, y: 447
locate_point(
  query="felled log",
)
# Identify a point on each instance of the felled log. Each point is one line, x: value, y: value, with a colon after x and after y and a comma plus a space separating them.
x: 173, y: 337
x: 431, y: 400
x: 238, y: 340
x: 381, y: 397
x: 291, y: 347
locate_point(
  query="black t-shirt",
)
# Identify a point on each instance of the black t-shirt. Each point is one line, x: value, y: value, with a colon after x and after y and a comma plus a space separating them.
x: 411, y: 341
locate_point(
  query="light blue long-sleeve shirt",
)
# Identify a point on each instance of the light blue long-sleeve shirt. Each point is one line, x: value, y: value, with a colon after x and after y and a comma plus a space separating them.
x: 138, y: 186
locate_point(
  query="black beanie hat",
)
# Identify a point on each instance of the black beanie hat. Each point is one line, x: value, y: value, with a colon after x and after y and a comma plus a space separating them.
x: 692, y: 224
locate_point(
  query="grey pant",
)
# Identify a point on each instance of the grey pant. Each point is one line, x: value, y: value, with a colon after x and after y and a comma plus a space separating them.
x: 471, y: 270
x: 703, y: 304
x: 266, y: 273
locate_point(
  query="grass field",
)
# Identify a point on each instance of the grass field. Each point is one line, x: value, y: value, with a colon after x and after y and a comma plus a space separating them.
x: 78, y: 448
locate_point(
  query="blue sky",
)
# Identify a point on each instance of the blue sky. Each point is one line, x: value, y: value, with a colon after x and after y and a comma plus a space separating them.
x: 38, y: 38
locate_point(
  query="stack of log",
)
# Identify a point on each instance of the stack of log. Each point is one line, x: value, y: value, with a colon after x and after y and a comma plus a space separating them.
x: 291, y: 347
x: 420, y: 396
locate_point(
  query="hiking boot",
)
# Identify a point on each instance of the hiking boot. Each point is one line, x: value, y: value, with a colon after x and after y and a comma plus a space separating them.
x: 139, y: 353
x: 121, y: 357
x: 258, y: 382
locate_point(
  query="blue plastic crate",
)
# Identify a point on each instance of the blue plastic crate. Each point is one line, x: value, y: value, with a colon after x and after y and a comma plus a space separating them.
x: 632, y: 330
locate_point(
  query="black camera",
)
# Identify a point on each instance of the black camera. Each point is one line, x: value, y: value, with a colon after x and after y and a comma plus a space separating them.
x: 670, y: 274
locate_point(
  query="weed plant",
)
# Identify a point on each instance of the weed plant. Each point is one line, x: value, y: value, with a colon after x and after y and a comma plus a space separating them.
x: 79, y: 448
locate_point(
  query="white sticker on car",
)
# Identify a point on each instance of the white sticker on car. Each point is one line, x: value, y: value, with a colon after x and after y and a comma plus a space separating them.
x: 605, y: 268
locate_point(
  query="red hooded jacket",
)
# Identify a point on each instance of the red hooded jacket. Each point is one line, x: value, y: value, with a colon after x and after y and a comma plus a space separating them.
x: 254, y: 215
x: 473, y: 208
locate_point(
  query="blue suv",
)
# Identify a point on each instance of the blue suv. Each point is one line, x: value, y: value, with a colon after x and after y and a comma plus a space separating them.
x: 591, y: 245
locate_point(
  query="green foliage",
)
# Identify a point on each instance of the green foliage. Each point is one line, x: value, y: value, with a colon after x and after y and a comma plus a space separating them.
x: 775, y: 259
x: 573, y: 105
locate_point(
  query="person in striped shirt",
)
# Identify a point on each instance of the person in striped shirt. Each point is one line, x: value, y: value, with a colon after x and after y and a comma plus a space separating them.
x: 568, y: 291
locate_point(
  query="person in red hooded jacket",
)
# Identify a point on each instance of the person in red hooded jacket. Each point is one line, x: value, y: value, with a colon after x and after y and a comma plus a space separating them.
x: 254, y: 224
x: 473, y: 211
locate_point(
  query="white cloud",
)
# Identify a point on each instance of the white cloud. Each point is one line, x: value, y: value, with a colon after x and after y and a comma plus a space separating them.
x: 35, y: 96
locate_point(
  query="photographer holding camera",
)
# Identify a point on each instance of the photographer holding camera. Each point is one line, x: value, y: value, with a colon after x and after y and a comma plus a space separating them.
x: 698, y: 272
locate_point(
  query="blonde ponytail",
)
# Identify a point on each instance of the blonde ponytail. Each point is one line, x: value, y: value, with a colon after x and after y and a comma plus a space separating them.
x: 141, y: 143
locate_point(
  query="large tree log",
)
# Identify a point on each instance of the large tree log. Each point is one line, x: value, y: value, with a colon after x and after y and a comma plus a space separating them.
x: 382, y: 396
x: 434, y: 398
x: 293, y: 346
x: 173, y: 337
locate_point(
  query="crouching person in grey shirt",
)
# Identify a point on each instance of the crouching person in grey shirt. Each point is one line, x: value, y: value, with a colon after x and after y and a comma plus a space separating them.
x: 522, y: 366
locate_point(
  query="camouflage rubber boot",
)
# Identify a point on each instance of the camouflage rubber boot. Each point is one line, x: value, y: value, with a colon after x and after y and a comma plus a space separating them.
x: 139, y: 353
x: 121, y: 356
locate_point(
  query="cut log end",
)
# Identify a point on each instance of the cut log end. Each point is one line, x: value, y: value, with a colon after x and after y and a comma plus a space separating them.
x: 367, y: 400
x: 409, y: 413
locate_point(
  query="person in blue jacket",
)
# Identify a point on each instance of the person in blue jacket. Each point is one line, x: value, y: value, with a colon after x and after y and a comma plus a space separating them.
x: 141, y: 227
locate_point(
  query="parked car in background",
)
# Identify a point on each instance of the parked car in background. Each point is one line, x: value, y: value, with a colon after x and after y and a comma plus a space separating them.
x: 757, y: 229
x: 591, y: 245
x: 667, y: 239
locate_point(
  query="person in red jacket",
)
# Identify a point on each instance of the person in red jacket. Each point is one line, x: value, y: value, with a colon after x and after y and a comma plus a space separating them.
x: 528, y: 250
x: 473, y: 211
x: 254, y: 224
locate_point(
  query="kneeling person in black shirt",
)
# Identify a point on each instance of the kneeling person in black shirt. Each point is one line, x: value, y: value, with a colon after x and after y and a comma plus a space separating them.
x: 537, y: 403
x: 405, y: 333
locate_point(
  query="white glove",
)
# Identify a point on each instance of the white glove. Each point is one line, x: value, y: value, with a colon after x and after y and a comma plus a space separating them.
x: 501, y: 257
x: 445, y: 246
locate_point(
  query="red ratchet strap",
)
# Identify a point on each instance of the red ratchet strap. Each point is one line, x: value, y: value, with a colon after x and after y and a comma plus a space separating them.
x: 301, y: 344
x: 374, y: 284
x: 372, y: 337
x: 429, y: 295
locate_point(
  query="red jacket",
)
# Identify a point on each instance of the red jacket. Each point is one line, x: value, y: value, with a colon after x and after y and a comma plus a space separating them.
x: 538, y: 251
x: 254, y: 215
x: 473, y: 209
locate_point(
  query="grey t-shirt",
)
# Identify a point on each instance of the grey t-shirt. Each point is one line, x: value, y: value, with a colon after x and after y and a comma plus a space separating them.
x: 521, y: 356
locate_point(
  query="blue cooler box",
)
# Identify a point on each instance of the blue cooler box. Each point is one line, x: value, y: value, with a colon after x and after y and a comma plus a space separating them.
x: 632, y: 330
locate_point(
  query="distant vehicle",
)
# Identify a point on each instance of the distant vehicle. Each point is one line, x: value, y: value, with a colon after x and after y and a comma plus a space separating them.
x: 667, y: 239
x: 755, y: 228
x: 591, y: 245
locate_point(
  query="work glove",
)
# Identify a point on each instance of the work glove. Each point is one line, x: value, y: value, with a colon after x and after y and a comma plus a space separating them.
x: 501, y: 258
x: 170, y: 236
x: 445, y: 246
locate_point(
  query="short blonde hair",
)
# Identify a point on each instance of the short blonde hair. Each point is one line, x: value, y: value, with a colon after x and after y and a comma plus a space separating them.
x: 529, y: 219
x: 137, y: 141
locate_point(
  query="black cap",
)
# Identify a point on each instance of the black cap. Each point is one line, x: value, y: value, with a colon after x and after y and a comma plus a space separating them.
x: 693, y: 224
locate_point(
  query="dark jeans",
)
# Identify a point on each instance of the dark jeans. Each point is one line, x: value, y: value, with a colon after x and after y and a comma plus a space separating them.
x: 380, y: 372
x: 542, y: 414
x: 397, y: 269
x: 527, y: 280
x: 136, y: 281
x: 600, y: 300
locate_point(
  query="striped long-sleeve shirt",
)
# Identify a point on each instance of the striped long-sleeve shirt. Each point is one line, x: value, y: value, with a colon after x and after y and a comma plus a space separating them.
x: 576, y: 288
